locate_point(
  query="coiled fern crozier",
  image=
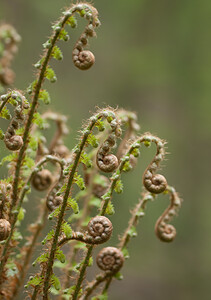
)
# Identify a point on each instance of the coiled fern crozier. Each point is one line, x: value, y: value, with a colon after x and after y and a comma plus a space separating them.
x: 78, y: 183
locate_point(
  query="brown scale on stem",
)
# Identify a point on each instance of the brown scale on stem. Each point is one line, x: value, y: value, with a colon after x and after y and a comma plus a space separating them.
x: 164, y: 231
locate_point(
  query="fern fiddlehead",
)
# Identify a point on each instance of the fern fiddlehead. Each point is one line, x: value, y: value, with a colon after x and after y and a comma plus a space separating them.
x: 164, y: 231
x: 99, y: 231
x: 13, y: 141
x: 110, y: 260
x: 42, y: 180
x: 107, y: 162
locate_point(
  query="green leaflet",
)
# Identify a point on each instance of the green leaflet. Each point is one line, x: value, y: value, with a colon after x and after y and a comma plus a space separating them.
x: 44, y: 96
x: 50, y: 75
x: 60, y: 256
x: 66, y: 228
x: 92, y: 140
x: 48, y: 237
x: 55, y: 281
x: 79, y: 181
x: 39, y: 121
x: 5, y: 114
x: 118, y: 187
x: 72, y: 22
x: 132, y: 232
x: 34, y: 281
x: 110, y: 209
x: 64, y: 35
x: 57, y: 53
x: 73, y: 204
x: 21, y: 214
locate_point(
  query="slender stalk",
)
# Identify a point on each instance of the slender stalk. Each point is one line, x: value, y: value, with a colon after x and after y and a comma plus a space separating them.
x: 136, y: 214
x: 73, y: 252
x: 108, y: 282
x: 34, y: 295
x: 82, y: 272
x: 93, y: 285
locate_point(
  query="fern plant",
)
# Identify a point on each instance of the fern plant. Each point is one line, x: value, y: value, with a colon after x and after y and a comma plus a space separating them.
x: 78, y: 184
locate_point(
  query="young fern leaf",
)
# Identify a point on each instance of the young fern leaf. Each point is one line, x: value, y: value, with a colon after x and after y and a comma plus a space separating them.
x: 164, y: 231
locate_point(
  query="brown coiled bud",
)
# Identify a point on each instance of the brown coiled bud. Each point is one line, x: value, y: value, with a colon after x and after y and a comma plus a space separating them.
x: 54, y: 202
x: 14, y: 142
x: 83, y: 60
x: 5, y: 229
x: 110, y: 260
x: 108, y: 163
x: 100, y: 229
x: 165, y: 232
x: 42, y: 180
x: 154, y: 183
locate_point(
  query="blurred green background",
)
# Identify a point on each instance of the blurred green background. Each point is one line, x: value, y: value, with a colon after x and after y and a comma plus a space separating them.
x: 152, y: 57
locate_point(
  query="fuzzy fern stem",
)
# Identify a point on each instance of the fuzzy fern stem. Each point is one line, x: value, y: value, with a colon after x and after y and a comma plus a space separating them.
x: 78, y: 152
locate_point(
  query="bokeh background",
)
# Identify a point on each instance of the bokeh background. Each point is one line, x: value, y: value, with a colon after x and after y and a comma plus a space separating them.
x: 152, y: 57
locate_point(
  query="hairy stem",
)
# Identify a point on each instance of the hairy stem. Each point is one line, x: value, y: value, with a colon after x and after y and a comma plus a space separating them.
x: 82, y: 272
x: 78, y: 153
x: 93, y: 285
x: 136, y: 214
